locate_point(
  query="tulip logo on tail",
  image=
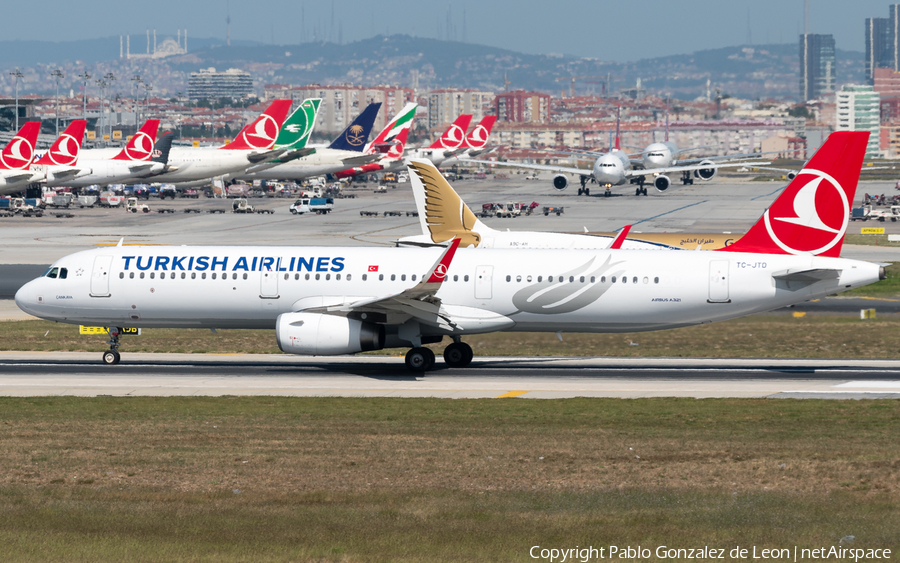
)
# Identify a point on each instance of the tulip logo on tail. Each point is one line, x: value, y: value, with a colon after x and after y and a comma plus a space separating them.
x: 478, y: 137
x: 811, y: 219
x: 65, y: 152
x: 262, y: 134
x: 18, y: 154
x: 140, y: 147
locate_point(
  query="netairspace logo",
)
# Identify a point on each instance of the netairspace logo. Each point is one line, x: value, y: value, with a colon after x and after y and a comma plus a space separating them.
x: 795, y: 553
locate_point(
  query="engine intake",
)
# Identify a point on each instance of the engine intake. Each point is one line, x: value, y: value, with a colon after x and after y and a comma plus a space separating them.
x: 560, y: 182
x: 662, y: 183
x: 314, y: 334
x: 706, y: 173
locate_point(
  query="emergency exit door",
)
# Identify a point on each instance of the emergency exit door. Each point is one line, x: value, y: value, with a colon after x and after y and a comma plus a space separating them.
x: 483, y: 276
x: 268, y: 283
x: 100, y: 276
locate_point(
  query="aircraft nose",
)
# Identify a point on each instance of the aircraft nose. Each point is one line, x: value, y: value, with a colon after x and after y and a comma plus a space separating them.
x: 27, y: 298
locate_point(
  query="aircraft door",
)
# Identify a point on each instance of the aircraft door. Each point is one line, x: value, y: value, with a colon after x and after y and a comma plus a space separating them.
x: 483, y: 279
x: 268, y: 283
x: 718, y: 282
x: 100, y: 276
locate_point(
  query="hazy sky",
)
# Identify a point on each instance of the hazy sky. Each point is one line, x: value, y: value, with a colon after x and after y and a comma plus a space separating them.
x: 619, y: 31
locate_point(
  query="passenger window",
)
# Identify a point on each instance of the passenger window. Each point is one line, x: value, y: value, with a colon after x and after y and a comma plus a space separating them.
x: 613, y: 279
x: 348, y: 277
x: 193, y: 275
x: 646, y: 279
x: 413, y: 277
x: 540, y: 278
x: 456, y: 278
x: 518, y: 279
x: 571, y: 279
x: 393, y: 277
x: 63, y: 273
x: 602, y: 279
x: 213, y: 275
x: 528, y: 279
x: 203, y: 275
x: 466, y: 278
x: 317, y: 276
x: 131, y: 275
x: 380, y: 277
x: 286, y: 277
x: 581, y: 279
x: 337, y: 277
x: 624, y: 279
x: 508, y: 278
x: 152, y: 275
x: 365, y: 277
x: 307, y: 277
x: 593, y: 279
x: 296, y: 277
x: 655, y: 280
x: 142, y: 275
x: 121, y: 275
x: 549, y: 278
x: 245, y: 276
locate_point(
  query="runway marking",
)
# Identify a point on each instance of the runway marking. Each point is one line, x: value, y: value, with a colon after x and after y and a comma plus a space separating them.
x: 667, y: 212
x: 227, y: 354
x: 510, y: 394
x: 880, y: 299
x: 875, y: 384
x: 768, y: 194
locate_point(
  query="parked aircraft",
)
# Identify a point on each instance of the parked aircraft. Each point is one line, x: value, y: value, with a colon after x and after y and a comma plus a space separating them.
x: 390, y: 142
x: 343, y: 300
x: 445, y: 216
x: 16, y: 157
x: 616, y: 167
x: 346, y: 151
x: 142, y: 155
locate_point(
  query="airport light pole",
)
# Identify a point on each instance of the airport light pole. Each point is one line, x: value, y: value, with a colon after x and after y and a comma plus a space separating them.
x: 17, y: 74
x: 110, y: 78
x: 85, y: 77
x: 135, y: 82
x: 101, y: 84
x: 58, y: 75
x: 149, y: 88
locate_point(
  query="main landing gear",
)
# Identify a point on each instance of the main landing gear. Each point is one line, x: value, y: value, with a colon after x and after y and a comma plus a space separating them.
x: 111, y: 357
x: 640, y: 191
x: 456, y: 355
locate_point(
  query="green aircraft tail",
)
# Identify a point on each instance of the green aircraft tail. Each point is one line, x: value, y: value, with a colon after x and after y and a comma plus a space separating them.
x: 297, y: 128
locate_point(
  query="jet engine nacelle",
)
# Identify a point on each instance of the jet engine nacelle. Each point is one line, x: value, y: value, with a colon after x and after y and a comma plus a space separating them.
x: 314, y: 334
x: 560, y: 182
x: 662, y: 183
x: 706, y: 173
x: 791, y: 175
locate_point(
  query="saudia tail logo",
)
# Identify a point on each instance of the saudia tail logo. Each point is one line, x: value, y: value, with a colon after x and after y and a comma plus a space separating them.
x: 263, y: 132
x: 814, y: 220
x: 18, y: 154
x: 453, y: 137
x: 354, y: 135
x: 140, y: 147
x: 557, y: 295
x: 66, y: 151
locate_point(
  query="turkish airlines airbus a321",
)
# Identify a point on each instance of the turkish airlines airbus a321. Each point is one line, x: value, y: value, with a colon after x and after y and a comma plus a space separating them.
x: 343, y: 300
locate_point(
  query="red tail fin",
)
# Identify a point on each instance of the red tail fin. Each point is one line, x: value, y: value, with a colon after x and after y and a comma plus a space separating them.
x: 478, y: 137
x: 140, y: 147
x: 455, y: 135
x: 618, y: 115
x: 19, y: 152
x: 396, y: 150
x: 620, y: 238
x: 811, y: 215
x: 261, y: 134
x: 64, y: 151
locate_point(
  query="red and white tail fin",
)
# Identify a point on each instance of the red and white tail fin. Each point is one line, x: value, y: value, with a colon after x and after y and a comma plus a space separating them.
x: 396, y: 150
x: 19, y: 152
x: 478, y: 136
x: 261, y: 134
x: 618, y: 115
x: 140, y: 147
x: 64, y: 151
x: 455, y: 135
x: 811, y: 215
x: 620, y: 238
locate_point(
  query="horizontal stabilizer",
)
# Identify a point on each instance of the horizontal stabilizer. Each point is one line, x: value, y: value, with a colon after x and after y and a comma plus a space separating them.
x: 360, y: 160
x: 807, y: 276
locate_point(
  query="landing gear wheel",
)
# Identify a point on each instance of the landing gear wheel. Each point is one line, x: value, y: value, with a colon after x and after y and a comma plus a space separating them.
x: 458, y: 355
x: 638, y: 191
x: 644, y: 191
x: 587, y: 191
x: 580, y: 191
x: 420, y: 359
x: 111, y: 357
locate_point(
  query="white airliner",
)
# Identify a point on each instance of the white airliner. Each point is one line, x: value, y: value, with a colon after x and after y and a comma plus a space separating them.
x: 343, y: 300
x: 64, y: 166
x: 16, y: 157
x: 615, y: 168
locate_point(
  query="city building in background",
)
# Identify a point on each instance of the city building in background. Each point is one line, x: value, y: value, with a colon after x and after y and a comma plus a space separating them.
x: 209, y: 84
x: 341, y: 104
x: 446, y: 104
x: 858, y: 109
x: 817, y: 65
x: 522, y: 107
x: 879, y: 46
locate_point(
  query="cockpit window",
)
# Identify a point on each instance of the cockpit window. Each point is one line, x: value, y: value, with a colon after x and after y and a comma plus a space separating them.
x: 52, y: 273
x: 63, y: 272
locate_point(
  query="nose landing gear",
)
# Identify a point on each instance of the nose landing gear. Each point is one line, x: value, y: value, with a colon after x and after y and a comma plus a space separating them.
x: 111, y: 357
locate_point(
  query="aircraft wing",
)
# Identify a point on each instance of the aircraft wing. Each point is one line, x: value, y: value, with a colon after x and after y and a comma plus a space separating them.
x: 418, y: 301
x: 727, y: 157
x: 360, y: 160
x: 544, y: 167
x: 630, y: 173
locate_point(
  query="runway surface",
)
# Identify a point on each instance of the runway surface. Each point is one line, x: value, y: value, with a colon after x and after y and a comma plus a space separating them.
x: 81, y: 374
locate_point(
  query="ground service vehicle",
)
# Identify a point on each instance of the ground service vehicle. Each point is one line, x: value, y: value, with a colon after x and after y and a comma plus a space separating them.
x: 318, y: 205
x: 132, y: 205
